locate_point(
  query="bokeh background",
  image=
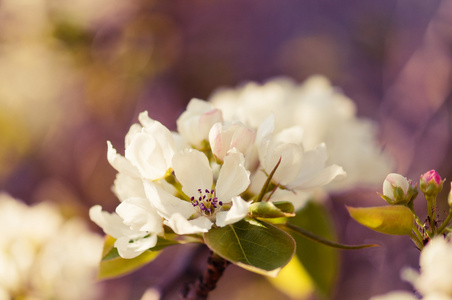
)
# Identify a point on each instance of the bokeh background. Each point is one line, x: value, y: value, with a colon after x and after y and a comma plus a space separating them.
x: 74, y: 74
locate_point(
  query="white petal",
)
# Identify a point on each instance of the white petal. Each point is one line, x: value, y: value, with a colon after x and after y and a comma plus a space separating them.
x: 194, y: 124
x: 313, y: 172
x: 165, y: 203
x: 128, y: 250
x: 238, y: 211
x: 193, y: 171
x: 233, y: 178
x: 291, y: 156
x: 126, y: 186
x: 181, y: 225
x: 148, y: 156
x: 119, y: 162
x: 140, y: 215
x: 112, y: 224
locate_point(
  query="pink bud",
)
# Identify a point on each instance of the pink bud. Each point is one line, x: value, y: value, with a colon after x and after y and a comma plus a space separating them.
x: 431, y: 177
x: 431, y: 183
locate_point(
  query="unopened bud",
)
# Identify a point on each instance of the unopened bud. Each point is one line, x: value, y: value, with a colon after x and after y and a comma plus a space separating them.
x: 431, y: 183
x: 398, y: 190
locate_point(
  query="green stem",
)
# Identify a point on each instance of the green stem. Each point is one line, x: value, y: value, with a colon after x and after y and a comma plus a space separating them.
x: 445, y: 223
x: 418, y: 234
x: 418, y: 242
x: 431, y: 206
x: 321, y: 240
x: 267, y: 183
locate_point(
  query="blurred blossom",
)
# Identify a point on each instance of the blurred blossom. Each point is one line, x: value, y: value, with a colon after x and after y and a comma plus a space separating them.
x: 43, y: 256
x: 324, y: 113
x: 434, y: 282
x: 436, y: 269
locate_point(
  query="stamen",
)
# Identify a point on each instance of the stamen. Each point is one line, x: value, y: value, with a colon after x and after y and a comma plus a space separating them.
x: 207, y: 204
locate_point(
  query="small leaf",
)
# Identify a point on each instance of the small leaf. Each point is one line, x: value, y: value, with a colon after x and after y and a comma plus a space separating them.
x: 253, y: 245
x: 112, y: 265
x: 272, y: 210
x: 392, y: 219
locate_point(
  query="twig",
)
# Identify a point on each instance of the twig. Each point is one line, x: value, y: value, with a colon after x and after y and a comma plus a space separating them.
x: 208, y: 280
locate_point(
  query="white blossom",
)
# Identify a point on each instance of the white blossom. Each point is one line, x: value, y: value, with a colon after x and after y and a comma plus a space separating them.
x: 43, y: 255
x: 326, y: 116
x: 149, y: 149
x: 206, y: 198
x: 195, y: 123
x: 297, y: 169
x: 129, y: 242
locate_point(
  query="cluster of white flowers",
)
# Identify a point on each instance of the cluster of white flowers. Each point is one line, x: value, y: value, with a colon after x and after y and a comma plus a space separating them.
x: 208, y: 173
x: 434, y: 282
x: 326, y: 116
x: 42, y: 256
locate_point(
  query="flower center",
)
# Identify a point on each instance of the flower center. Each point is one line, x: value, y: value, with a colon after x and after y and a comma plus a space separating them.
x: 206, y: 203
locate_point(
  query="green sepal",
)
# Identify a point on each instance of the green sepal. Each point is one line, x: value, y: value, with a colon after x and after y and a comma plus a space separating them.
x: 112, y: 265
x: 254, y: 245
x: 393, y: 219
x: 272, y: 209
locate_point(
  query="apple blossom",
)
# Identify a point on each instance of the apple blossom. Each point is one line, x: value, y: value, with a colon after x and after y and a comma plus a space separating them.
x: 45, y: 256
x: 207, y: 200
x: 297, y: 169
x: 326, y: 115
x: 195, y: 123
x: 148, y: 150
x: 129, y: 242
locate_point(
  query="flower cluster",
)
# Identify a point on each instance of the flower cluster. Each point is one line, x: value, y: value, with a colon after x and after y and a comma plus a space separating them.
x: 326, y: 116
x: 43, y: 256
x: 206, y: 175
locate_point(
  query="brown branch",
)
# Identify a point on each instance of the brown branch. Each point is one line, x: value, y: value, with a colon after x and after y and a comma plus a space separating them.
x: 208, y: 280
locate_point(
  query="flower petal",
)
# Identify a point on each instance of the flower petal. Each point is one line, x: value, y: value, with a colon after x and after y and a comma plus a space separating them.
x: 140, y: 215
x: 233, y: 178
x: 148, y: 156
x: 119, y: 162
x: 238, y: 211
x: 193, y: 171
x: 128, y: 248
x: 313, y: 172
x: 165, y: 203
x: 181, y: 225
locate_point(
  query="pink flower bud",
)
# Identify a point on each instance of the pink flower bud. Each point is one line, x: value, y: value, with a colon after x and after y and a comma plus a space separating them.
x: 431, y: 177
x: 431, y: 183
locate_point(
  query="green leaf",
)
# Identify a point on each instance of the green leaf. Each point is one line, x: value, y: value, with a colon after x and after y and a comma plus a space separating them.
x: 112, y: 265
x: 320, y: 261
x: 272, y: 210
x: 392, y: 219
x: 253, y: 245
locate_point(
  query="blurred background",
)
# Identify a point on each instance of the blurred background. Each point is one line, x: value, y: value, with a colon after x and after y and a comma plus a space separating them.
x: 74, y: 74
